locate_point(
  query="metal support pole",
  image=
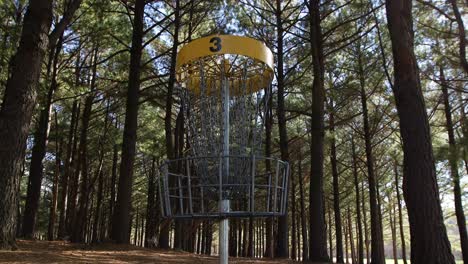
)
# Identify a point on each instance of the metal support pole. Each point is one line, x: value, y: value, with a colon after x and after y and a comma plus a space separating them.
x: 224, y: 207
x: 224, y: 204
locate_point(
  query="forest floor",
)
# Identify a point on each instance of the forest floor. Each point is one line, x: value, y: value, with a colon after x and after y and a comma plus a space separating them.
x: 64, y: 252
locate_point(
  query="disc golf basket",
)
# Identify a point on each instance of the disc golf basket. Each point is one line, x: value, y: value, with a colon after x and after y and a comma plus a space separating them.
x: 221, y: 85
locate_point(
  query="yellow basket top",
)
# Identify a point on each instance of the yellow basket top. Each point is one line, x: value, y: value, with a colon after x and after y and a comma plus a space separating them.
x: 216, y: 45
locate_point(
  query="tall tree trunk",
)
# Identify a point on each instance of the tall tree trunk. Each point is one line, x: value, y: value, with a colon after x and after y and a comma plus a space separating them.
x: 198, y: 247
x: 351, y: 237
x: 360, y: 249
x: 53, y: 204
x: 121, y: 219
x: 105, y: 214
x: 251, y: 239
x: 164, y: 234
x: 379, y: 207
x: 232, y: 239
x: 137, y: 222
x: 346, y: 232
x: 244, y: 238
x: 317, y: 232
x: 461, y: 45
x: 74, y: 164
x: 270, y: 241
x: 464, y: 126
x: 98, y: 211
x: 67, y: 170
x: 151, y: 207
x: 208, y: 237
x: 297, y: 215
x: 366, y: 229
x: 305, y: 240
x: 100, y: 176
x: 181, y: 225
x: 400, y: 214
x: 17, y: 109
x: 283, y: 232
x: 239, y: 244
x: 39, y: 149
x: 453, y: 161
x: 336, y: 191
x: 115, y: 160
x: 78, y: 227
x: 429, y: 241
x: 330, y: 237
x: 377, y: 246
x: 293, y: 215
x: 392, y: 218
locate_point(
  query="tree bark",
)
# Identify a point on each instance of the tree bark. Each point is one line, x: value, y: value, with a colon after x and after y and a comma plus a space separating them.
x: 98, y: 211
x: 151, y: 208
x: 100, y: 176
x: 270, y: 241
x: 453, y: 162
x: 400, y: 215
x: 79, y: 220
x: 360, y: 249
x: 392, y: 218
x: 115, y: 160
x: 305, y: 241
x: 80, y: 228
x: 346, y: 232
x: 164, y: 234
x: 336, y: 191
x: 67, y: 171
x: 377, y: 247
x: 17, y: 109
x: 293, y: 216
x: 121, y: 218
x: 461, y: 43
x: 39, y: 149
x: 317, y: 232
x: 330, y: 237
x: 53, y: 204
x: 351, y: 237
x: 464, y: 126
x: 283, y: 231
x: 74, y: 164
x: 366, y: 229
x: 429, y: 241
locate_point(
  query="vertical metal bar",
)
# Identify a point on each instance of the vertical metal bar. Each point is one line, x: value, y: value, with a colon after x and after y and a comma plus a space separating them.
x: 166, y: 190
x: 161, y: 203
x: 189, y: 183
x: 224, y: 203
x: 276, y: 187
x: 224, y: 207
x: 249, y: 204
x: 286, y: 186
x: 269, y: 191
x: 252, y: 186
x: 202, y: 199
x: 220, y: 181
x: 181, y: 194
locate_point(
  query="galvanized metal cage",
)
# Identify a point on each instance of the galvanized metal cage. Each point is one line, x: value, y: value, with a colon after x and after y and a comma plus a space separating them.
x: 260, y: 192
x: 222, y: 81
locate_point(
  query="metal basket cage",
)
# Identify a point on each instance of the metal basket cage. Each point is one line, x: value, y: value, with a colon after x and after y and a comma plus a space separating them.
x: 193, y: 187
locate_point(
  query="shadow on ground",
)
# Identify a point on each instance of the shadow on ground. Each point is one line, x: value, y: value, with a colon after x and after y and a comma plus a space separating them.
x: 41, y: 252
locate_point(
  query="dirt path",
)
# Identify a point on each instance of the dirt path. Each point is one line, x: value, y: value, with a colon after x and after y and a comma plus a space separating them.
x: 63, y: 252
